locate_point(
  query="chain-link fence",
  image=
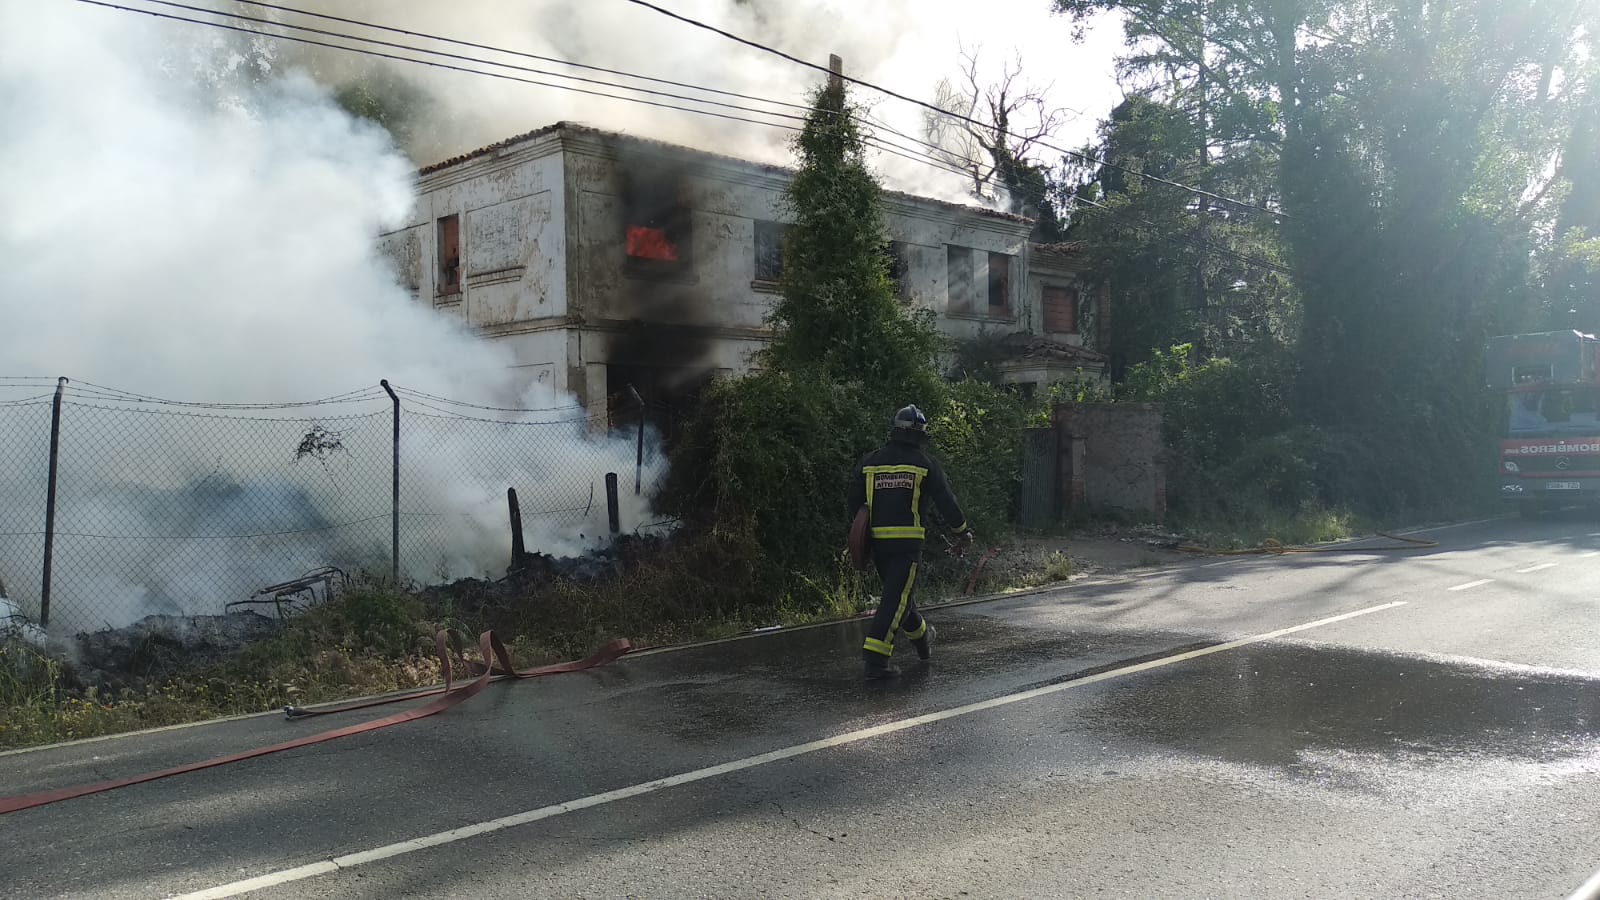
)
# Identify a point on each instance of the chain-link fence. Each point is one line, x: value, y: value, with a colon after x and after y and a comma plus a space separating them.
x: 114, y: 506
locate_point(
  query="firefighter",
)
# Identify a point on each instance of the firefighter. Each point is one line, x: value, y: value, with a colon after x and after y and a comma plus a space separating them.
x: 891, y: 482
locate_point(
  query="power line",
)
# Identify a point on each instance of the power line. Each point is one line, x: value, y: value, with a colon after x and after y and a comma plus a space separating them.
x: 879, y: 144
x: 437, y: 65
x: 954, y: 166
x: 1203, y: 245
x: 1082, y: 157
x: 520, y: 53
x: 462, y: 58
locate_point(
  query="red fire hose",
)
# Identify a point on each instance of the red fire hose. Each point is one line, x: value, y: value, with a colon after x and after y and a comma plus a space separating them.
x: 496, y: 666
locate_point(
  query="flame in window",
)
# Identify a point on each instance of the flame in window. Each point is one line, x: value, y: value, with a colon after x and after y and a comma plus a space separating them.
x: 650, y: 243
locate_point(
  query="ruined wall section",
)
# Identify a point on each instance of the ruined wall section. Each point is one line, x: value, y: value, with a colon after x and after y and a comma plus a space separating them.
x: 1113, y: 459
x: 511, y: 244
x: 947, y: 251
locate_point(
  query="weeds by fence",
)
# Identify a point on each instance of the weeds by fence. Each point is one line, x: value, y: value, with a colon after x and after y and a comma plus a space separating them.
x: 185, y: 508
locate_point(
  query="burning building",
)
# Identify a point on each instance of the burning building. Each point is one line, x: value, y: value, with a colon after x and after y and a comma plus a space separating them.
x: 604, y: 261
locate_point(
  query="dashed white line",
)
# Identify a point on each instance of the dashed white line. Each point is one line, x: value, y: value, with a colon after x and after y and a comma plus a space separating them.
x: 338, y: 863
x: 1472, y: 584
x: 1539, y: 568
x: 1590, y: 555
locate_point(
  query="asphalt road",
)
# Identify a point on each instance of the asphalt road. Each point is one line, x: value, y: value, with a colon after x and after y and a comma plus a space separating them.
x: 1349, y: 724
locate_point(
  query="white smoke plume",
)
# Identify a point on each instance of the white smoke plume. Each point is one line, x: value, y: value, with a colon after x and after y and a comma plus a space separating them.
x: 905, y: 46
x: 172, y: 228
x: 189, y: 214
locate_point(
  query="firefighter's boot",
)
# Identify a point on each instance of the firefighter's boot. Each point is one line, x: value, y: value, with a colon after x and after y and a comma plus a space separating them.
x: 878, y: 666
x: 924, y: 644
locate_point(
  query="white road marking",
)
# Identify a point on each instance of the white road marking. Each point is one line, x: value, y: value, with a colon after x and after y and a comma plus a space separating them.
x: 1590, y: 555
x: 324, y: 867
x: 1472, y: 584
x: 1215, y: 564
x: 1589, y: 890
x: 1538, y: 568
x: 1455, y: 525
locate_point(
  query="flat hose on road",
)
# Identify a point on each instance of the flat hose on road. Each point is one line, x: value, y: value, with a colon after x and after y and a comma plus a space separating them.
x: 1271, y: 546
x: 496, y: 666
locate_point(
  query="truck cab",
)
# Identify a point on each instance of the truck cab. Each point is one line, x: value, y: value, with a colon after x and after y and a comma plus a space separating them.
x: 1550, y: 446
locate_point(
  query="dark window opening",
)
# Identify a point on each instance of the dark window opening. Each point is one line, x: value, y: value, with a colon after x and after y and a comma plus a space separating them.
x: 958, y: 272
x: 449, y: 234
x: 770, y: 238
x: 1060, y: 310
x: 897, y: 266
x: 669, y: 393
x: 656, y: 233
x: 999, y: 282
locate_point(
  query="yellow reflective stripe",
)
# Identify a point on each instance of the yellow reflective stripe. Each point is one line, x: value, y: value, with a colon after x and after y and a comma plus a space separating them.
x: 877, y: 646
x: 962, y: 527
x: 921, y: 631
x: 916, y: 499
x: 868, y: 476
x: 905, y: 599
x: 896, y: 470
x: 900, y: 531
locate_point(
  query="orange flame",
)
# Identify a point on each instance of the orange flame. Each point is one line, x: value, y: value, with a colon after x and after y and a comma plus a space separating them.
x: 650, y: 243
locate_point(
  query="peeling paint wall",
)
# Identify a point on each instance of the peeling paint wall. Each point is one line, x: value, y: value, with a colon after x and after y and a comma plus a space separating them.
x: 545, y: 231
x: 512, y: 237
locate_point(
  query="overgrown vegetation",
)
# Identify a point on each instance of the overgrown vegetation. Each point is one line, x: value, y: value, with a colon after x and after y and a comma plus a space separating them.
x: 766, y: 459
x: 1383, y: 184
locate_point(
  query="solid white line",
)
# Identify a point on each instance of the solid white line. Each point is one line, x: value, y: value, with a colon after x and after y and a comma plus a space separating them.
x: 323, y: 867
x: 1539, y: 567
x: 1472, y: 584
x: 1454, y: 525
x: 1589, y: 890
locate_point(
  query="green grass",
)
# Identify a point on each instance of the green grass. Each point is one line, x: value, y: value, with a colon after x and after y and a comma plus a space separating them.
x: 1294, y: 529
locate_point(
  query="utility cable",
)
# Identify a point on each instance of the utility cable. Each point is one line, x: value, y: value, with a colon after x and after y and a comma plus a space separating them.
x: 1082, y: 157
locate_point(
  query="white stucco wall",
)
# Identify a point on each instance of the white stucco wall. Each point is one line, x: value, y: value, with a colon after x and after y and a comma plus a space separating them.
x: 545, y: 266
x: 512, y: 240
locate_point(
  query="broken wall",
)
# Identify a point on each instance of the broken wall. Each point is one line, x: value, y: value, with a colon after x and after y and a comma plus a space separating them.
x: 1113, y: 459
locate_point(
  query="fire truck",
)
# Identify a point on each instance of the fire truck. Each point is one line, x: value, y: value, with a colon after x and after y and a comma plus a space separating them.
x: 1550, y: 447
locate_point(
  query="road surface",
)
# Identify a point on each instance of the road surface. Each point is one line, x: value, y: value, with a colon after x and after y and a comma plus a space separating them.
x: 1349, y: 724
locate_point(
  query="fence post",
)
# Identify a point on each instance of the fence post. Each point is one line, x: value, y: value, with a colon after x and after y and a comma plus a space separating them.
x: 611, y: 502
x: 519, y: 549
x: 50, y: 505
x: 638, y: 460
x: 394, y: 508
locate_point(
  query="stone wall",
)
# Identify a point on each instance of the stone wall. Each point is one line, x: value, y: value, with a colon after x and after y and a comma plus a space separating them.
x: 1113, y: 460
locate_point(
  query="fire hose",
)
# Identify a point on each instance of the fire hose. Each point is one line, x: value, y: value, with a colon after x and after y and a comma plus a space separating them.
x: 496, y: 666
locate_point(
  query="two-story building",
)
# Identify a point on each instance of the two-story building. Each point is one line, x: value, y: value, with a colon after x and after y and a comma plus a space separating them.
x: 604, y: 261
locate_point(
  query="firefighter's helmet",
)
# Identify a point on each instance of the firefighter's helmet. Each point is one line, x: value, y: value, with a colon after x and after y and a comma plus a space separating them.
x: 911, y: 419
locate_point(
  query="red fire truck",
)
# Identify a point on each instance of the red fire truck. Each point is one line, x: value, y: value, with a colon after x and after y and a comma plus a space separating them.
x: 1550, y: 448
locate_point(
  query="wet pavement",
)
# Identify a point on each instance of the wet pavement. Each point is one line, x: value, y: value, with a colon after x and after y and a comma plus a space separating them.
x: 1445, y: 747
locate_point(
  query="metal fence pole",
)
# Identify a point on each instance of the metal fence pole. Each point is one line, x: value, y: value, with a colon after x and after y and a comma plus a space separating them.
x: 50, y: 505
x: 394, y: 508
x: 638, y: 463
x: 611, y: 503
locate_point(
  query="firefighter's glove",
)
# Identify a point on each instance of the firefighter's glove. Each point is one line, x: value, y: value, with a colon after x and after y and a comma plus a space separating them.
x: 962, y: 542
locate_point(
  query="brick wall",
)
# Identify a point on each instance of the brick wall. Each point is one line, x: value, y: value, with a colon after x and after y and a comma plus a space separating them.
x: 1112, y: 458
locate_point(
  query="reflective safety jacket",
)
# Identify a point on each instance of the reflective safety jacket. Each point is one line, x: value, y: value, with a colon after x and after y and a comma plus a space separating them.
x: 893, y: 482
